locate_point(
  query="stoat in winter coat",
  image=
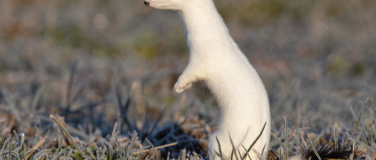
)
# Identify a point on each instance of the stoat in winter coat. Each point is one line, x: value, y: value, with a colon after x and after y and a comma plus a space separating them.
x: 218, y: 61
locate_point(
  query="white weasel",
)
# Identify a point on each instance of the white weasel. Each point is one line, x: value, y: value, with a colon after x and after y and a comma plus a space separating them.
x: 217, y: 60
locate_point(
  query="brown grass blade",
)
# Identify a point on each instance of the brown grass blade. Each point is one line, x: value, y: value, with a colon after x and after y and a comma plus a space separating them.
x: 36, y: 147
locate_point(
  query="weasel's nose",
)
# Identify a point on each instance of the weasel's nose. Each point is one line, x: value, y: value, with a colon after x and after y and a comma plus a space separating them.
x: 146, y: 3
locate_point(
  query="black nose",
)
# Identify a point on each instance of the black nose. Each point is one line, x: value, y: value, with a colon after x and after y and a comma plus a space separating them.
x: 146, y: 3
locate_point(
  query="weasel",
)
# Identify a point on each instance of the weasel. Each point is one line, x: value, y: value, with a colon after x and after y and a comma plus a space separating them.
x: 218, y: 61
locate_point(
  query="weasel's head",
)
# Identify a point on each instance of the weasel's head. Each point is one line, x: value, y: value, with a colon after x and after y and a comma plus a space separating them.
x: 178, y: 5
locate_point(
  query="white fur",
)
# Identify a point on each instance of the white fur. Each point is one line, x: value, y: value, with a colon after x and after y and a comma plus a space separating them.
x: 217, y: 60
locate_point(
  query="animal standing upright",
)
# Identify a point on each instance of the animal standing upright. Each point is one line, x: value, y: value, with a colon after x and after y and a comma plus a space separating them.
x: 218, y: 61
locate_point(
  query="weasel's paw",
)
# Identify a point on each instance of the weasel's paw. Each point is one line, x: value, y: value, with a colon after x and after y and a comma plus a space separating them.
x: 180, y: 87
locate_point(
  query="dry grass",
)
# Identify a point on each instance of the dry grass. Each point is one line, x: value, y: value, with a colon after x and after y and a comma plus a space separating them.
x: 108, y: 68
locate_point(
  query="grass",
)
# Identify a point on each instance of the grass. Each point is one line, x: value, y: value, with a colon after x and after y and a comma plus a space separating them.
x: 109, y: 88
x: 63, y: 141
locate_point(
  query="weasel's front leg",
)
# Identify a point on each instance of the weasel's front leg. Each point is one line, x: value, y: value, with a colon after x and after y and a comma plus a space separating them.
x: 184, y: 82
x: 190, y: 75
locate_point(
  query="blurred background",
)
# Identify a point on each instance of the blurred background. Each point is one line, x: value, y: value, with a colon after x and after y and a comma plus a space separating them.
x: 317, y: 59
